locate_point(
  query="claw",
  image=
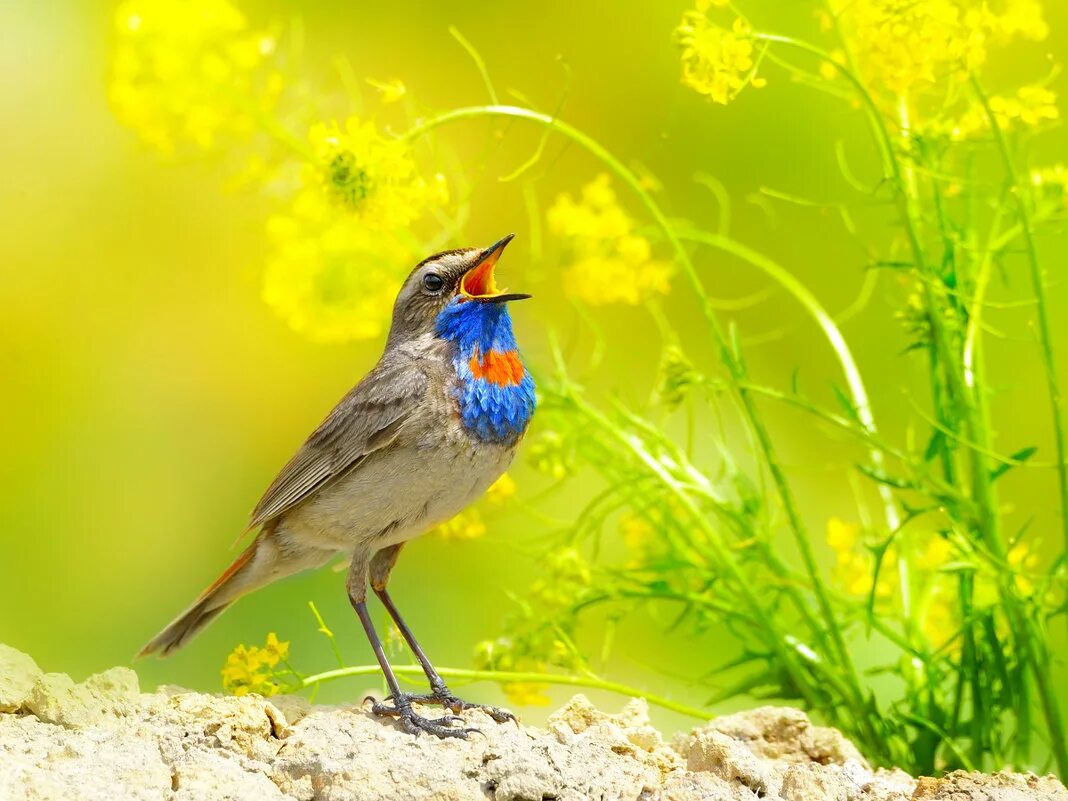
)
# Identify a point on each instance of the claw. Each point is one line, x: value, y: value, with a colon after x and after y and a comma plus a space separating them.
x: 457, y: 705
x: 417, y: 724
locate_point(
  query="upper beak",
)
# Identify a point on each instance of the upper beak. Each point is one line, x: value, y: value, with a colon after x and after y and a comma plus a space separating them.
x: 478, y: 283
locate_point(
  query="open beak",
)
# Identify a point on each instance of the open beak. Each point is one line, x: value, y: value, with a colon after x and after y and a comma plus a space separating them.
x: 478, y: 284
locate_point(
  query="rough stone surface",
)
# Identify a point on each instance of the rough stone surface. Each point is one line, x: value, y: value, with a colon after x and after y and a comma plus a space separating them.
x: 104, y: 739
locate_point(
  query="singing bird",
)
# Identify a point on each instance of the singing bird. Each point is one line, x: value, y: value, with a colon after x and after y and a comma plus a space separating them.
x: 426, y: 432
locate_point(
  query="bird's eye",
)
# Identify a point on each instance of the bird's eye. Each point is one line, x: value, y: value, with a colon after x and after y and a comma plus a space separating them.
x: 433, y: 282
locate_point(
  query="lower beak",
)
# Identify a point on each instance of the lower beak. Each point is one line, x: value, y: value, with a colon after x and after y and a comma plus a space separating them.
x: 504, y: 297
x: 478, y: 284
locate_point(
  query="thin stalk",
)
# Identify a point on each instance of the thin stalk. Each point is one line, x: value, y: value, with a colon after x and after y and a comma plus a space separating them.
x: 509, y: 677
x: 727, y: 353
x: 1039, y: 288
x: 838, y: 344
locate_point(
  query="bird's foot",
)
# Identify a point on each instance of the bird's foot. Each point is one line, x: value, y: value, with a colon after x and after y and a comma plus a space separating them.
x: 456, y: 705
x: 401, y: 709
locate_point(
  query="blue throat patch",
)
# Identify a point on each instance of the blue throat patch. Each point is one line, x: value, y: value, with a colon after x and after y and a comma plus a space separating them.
x: 495, y: 392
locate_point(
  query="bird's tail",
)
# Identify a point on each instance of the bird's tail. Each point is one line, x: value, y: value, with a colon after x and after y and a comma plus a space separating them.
x: 235, y: 581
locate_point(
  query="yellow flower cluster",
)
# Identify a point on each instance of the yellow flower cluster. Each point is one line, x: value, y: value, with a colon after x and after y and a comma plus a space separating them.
x: 610, y: 262
x: 552, y: 455
x: 190, y: 70
x: 469, y: 525
x: 251, y: 670
x: 370, y: 176
x: 1030, y: 107
x: 854, y: 566
x: 329, y: 277
x: 338, y: 260
x: 717, y: 62
x: 904, y: 46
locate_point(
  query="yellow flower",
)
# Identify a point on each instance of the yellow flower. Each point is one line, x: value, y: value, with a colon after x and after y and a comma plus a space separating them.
x: 610, y: 263
x: 1031, y: 106
x: 390, y: 91
x: 551, y: 455
x: 716, y: 62
x: 1024, y: 562
x: 370, y: 176
x: 501, y: 490
x: 329, y: 277
x: 842, y: 536
x: 251, y: 670
x: 467, y: 525
x: 526, y: 693
x: 190, y: 70
x: 1023, y: 18
x: 905, y: 46
x: 854, y: 565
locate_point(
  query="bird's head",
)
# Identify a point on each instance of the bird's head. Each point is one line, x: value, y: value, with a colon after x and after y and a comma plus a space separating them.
x: 454, y: 283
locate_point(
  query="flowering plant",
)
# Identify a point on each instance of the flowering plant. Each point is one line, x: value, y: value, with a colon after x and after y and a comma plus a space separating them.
x: 924, y: 584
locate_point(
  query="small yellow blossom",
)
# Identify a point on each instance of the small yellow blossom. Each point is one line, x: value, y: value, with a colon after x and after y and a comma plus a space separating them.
x: 467, y: 525
x: 329, y: 277
x: 550, y: 454
x: 251, y: 669
x: 522, y: 693
x: 370, y: 176
x: 854, y: 566
x: 842, y: 536
x: 1031, y: 106
x: 390, y: 91
x: 190, y: 70
x: 829, y: 70
x: 716, y: 62
x: 501, y: 490
x: 1024, y: 562
x: 610, y: 262
x: 936, y: 552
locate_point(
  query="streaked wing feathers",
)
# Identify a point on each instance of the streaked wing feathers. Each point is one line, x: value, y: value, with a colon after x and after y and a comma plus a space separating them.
x: 366, y: 419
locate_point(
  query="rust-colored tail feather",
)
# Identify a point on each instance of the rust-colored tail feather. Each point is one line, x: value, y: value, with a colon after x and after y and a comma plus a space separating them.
x: 206, y: 608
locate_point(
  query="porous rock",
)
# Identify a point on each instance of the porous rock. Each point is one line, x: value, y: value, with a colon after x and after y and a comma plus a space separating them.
x: 103, y: 739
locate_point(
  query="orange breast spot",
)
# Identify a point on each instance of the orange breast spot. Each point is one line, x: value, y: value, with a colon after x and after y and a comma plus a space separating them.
x: 502, y: 369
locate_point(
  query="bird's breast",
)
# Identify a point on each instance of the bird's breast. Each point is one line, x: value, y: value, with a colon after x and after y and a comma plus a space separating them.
x: 494, y: 393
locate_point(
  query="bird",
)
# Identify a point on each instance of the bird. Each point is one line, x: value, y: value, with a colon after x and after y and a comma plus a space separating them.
x: 434, y: 423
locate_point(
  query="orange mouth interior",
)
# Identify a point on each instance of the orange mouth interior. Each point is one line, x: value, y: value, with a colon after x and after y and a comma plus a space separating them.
x: 478, y: 282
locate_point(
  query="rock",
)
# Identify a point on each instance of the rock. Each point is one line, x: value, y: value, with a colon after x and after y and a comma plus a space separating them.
x: 103, y: 739
x: 996, y: 787
x: 18, y: 673
x: 55, y: 698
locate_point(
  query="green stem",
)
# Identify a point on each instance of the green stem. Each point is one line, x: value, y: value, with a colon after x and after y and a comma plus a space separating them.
x: 1032, y: 637
x: 727, y: 354
x: 1020, y: 193
x: 508, y: 677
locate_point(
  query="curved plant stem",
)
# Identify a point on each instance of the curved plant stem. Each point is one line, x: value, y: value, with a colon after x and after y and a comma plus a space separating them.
x: 506, y: 677
x: 731, y: 359
x: 830, y: 330
x: 1038, y: 287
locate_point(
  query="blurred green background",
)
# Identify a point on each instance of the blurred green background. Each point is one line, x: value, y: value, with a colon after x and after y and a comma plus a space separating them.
x: 149, y: 395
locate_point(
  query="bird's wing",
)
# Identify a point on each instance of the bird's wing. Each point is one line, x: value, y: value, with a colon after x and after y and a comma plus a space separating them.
x: 365, y: 420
